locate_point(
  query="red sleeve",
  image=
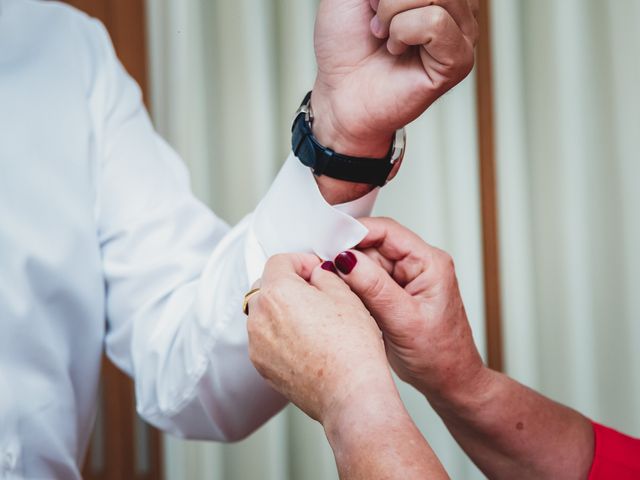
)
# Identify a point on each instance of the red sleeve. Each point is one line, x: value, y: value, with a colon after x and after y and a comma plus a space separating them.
x: 616, y: 456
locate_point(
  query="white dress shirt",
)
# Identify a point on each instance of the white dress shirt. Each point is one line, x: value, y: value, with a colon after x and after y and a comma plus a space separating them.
x: 103, y: 246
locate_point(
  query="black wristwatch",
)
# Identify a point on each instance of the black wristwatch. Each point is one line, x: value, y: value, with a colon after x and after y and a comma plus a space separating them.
x: 324, y: 161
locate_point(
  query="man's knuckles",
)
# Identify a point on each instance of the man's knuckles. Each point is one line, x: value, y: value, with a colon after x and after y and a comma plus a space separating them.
x: 453, y: 65
x: 467, y: 60
x: 446, y: 261
x: 474, y: 5
x: 388, y: 9
x: 443, y: 264
x: 436, y: 19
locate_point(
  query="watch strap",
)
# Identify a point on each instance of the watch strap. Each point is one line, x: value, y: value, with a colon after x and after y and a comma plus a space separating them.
x: 324, y: 161
x: 373, y: 171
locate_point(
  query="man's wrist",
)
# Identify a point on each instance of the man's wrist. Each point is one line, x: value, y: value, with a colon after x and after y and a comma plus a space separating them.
x: 331, y: 133
x: 337, y: 191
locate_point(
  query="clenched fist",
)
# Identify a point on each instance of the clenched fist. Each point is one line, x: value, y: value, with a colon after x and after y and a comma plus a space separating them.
x: 381, y: 63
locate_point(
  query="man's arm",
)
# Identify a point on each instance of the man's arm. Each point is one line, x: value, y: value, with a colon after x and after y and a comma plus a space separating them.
x: 508, y: 430
x: 314, y: 341
x: 175, y: 274
x: 381, y: 64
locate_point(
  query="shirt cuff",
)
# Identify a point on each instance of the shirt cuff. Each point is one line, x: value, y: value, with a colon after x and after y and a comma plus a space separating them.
x: 295, y: 217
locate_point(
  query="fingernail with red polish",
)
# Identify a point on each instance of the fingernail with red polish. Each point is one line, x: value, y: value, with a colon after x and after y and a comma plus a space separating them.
x: 345, y: 262
x: 329, y: 267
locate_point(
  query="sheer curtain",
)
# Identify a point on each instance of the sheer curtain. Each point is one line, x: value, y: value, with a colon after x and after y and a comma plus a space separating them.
x: 226, y: 79
x: 568, y: 112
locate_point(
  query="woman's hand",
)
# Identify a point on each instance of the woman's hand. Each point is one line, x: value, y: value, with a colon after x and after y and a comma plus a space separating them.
x: 507, y: 429
x: 411, y: 290
x: 314, y: 341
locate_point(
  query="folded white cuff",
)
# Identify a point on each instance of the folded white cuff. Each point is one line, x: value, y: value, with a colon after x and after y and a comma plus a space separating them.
x: 295, y: 217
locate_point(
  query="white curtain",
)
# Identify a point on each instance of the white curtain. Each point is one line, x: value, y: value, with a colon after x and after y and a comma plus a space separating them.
x: 567, y: 75
x: 227, y: 76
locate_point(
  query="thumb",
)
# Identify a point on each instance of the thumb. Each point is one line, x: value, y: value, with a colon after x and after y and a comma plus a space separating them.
x: 387, y: 301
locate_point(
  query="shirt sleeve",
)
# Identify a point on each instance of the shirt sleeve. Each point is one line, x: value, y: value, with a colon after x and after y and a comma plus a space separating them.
x: 616, y: 455
x: 175, y: 274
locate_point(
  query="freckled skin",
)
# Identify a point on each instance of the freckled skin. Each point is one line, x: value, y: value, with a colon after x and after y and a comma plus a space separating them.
x: 333, y: 366
x: 411, y: 290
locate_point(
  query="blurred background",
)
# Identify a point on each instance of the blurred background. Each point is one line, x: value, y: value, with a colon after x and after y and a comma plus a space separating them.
x: 526, y: 173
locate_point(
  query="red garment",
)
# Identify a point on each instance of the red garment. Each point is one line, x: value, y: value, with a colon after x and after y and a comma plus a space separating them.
x: 616, y: 457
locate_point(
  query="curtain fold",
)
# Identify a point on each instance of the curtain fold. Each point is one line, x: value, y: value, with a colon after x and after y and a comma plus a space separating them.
x: 568, y: 123
x: 226, y: 78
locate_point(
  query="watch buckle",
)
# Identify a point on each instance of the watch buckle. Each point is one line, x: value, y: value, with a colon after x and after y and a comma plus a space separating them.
x: 307, y: 111
x: 399, y: 142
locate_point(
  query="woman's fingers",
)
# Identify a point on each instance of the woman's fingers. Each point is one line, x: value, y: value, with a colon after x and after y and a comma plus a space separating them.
x: 401, y: 252
x: 325, y: 279
x: 289, y: 265
x: 283, y: 276
x: 383, y: 297
x: 380, y: 259
x: 392, y: 240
